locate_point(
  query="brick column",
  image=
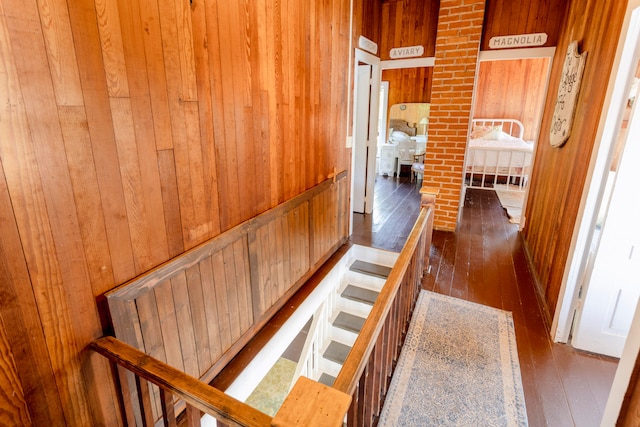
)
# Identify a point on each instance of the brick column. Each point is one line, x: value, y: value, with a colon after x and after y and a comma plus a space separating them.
x: 454, y: 74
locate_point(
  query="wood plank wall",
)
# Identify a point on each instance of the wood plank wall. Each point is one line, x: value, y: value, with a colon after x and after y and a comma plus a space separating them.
x: 131, y: 131
x: 506, y: 17
x: 559, y: 173
x: 409, y: 84
x: 198, y: 310
x: 409, y: 23
x: 514, y: 89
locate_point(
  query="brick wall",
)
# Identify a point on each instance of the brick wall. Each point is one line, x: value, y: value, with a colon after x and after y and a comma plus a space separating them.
x: 457, y: 47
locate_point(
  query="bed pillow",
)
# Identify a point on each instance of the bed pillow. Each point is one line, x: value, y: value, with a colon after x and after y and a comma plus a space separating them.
x: 495, y: 132
x: 479, y: 131
x: 397, y: 135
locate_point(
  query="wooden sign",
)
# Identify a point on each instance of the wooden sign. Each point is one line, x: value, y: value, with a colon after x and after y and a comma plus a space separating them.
x: 519, y: 40
x: 567, y: 95
x: 368, y: 45
x: 406, y: 52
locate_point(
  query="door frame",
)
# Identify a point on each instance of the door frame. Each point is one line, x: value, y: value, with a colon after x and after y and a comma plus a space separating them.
x: 362, y: 57
x: 578, y: 265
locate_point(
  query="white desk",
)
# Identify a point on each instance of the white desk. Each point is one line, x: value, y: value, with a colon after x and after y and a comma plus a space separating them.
x: 388, y: 155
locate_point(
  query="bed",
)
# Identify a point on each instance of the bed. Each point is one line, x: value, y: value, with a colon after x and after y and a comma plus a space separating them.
x: 497, y: 154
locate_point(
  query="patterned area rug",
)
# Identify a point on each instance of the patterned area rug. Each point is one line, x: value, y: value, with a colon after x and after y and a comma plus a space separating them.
x: 511, y: 200
x: 459, y: 367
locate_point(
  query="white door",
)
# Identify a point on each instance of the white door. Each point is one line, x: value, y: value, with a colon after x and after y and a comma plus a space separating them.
x: 363, y: 175
x: 614, y: 284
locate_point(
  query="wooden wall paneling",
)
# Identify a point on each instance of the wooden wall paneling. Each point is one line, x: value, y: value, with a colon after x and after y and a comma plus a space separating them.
x: 559, y: 173
x: 171, y: 202
x: 112, y: 49
x: 222, y: 301
x: 243, y: 283
x: 226, y: 144
x: 208, y: 285
x: 13, y: 407
x: 54, y: 21
x: 513, y: 89
x: 256, y: 129
x: 156, y: 74
x: 130, y: 175
x: 409, y: 23
x: 205, y: 109
x: 105, y: 155
x: 84, y: 180
x: 274, y: 79
x: 198, y: 315
x: 202, y: 229
x: 186, y: 323
x: 150, y: 197
x: 169, y: 321
x: 65, y: 301
x: 504, y: 17
x: 232, y: 293
x: 19, y: 311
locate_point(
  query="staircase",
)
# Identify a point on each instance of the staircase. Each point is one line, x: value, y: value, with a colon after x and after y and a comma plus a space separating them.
x: 358, y: 292
x: 333, y: 313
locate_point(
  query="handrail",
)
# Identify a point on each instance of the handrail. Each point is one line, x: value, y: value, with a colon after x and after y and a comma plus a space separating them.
x: 378, y: 342
x: 354, y: 365
x: 194, y: 392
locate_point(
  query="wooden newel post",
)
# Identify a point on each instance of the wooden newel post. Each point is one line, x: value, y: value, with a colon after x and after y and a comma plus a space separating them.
x: 312, y: 404
x: 428, y: 201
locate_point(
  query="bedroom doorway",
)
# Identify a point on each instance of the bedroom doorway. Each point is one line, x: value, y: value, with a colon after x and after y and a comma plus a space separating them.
x: 513, y: 84
x: 365, y: 126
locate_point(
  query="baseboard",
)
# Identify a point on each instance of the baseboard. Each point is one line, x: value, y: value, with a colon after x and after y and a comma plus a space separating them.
x: 538, y: 289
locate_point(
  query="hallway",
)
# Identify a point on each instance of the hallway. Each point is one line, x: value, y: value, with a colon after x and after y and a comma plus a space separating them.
x: 484, y: 262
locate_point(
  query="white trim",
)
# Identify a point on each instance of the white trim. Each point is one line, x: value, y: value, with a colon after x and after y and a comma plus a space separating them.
x: 366, y: 57
x: 395, y: 64
x: 505, y: 54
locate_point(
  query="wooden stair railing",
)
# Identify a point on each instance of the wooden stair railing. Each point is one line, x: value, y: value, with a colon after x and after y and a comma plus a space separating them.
x: 367, y: 371
x: 358, y: 391
x: 308, y: 404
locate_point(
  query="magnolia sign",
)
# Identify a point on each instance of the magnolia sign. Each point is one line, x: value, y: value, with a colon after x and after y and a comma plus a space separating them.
x: 520, y: 40
x: 406, y: 52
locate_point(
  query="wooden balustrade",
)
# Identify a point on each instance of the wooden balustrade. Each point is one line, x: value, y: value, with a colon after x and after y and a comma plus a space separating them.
x: 366, y: 373
x: 359, y: 389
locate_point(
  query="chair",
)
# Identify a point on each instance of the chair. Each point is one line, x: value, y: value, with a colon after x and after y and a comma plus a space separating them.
x: 406, y: 151
x: 417, y: 168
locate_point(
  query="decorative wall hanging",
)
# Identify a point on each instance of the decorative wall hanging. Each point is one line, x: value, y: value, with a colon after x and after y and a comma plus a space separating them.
x: 567, y: 95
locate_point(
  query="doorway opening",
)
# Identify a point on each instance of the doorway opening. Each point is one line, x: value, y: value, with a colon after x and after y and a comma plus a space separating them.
x: 365, y: 130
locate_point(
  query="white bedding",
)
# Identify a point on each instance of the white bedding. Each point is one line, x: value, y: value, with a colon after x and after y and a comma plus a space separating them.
x: 494, y: 153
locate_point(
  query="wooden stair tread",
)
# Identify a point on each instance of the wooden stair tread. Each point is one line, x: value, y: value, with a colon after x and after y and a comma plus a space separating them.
x: 327, y: 379
x: 370, y: 269
x: 336, y: 352
x: 356, y: 293
x: 349, y: 322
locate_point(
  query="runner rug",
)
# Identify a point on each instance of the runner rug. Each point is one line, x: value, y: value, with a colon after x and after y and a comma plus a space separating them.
x: 511, y: 200
x: 459, y: 367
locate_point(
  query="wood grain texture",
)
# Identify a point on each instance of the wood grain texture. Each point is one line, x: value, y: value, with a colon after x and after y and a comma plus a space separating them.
x: 196, y: 311
x: 513, y: 89
x: 409, y: 23
x: 559, y: 173
x: 134, y: 131
x: 504, y: 17
x: 13, y: 407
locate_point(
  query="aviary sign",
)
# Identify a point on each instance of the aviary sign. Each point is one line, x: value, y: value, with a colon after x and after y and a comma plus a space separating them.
x: 406, y: 52
x: 519, y: 40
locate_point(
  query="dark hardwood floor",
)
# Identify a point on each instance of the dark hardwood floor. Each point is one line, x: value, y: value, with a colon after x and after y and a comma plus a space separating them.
x: 484, y: 262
